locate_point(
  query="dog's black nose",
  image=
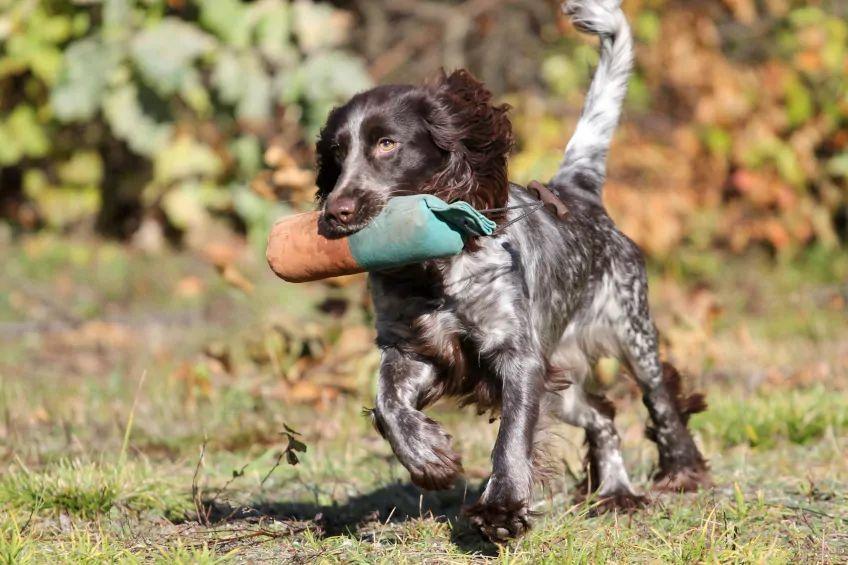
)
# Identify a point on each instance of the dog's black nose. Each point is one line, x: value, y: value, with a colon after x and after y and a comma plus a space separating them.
x: 340, y: 210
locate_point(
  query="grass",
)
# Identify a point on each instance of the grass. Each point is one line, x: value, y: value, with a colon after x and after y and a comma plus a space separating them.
x: 15, y: 547
x: 91, y: 489
x: 766, y: 419
x: 94, y: 545
x: 98, y: 465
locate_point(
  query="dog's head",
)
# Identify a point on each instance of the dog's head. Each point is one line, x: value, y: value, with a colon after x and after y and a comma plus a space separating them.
x: 444, y: 138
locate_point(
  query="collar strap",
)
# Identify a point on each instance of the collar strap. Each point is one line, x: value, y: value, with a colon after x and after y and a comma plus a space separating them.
x: 548, y: 198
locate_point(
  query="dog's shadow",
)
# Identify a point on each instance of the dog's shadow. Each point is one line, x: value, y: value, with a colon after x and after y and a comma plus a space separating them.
x: 365, y: 515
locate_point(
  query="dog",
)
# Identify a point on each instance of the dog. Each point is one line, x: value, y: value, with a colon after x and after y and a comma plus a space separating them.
x: 506, y: 322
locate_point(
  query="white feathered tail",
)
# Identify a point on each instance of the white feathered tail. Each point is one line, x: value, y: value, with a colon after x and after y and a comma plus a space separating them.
x: 584, y: 166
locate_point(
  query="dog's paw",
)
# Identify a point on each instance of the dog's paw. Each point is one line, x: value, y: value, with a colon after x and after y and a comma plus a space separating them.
x: 437, y: 470
x: 499, y: 522
x: 431, y: 461
x: 688, y: 479
x: 624, y: 502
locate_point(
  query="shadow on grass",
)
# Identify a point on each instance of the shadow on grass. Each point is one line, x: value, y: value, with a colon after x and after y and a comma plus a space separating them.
x: 360, y: 515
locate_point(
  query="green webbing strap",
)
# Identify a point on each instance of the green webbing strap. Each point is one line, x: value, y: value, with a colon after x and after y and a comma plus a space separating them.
x: 461, y: 215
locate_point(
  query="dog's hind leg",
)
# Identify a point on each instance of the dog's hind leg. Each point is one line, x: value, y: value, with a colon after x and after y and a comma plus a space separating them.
x: 422, y: 446
x: 681, y: 465
x: 606, y: 477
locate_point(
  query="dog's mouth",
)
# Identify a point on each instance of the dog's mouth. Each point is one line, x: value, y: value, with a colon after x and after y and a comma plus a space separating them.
x: 334, y: 229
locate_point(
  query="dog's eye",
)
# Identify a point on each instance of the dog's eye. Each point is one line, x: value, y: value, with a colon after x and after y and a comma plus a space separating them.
x: 337, y: 150
x: 386, y: 145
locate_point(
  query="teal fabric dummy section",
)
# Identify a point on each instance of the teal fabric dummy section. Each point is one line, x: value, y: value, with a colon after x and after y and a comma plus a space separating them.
x: 411, y: 229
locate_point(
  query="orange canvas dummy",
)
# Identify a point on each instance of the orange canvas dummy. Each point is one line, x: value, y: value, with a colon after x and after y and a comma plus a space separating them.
x: 410, y: 229
x: 298, y: 253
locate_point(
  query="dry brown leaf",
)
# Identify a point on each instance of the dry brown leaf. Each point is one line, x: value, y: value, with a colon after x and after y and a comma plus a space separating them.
x: 233, y: 277
x: 190, y: 287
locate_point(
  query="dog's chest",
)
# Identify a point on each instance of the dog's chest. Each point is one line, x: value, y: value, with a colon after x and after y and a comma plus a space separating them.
x: 470, y: 299
x: 481, y: 295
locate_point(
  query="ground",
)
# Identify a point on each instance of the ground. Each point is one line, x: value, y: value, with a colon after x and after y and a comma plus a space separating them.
x: 152, y: 407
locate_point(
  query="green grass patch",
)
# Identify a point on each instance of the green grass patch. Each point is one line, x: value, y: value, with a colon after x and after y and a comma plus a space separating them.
x: 683, y: 533
x: 183, y: 555
x: 92, y: 489
x: 15, y: 547
x: 765, y: 419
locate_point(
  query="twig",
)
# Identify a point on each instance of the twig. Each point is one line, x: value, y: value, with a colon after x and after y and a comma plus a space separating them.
x: 236, y: 475
x: 804, y: 509
x: 202, y: 515
x: 26, y: 525
x: 274, y: 468
x: 123, y: 456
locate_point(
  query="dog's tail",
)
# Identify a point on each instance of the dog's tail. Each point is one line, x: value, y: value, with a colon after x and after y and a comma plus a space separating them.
x: 584, y: 166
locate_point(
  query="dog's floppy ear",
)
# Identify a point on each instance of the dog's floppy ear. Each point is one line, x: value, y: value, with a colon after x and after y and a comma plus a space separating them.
x: 327, y: 165
x: 478, y: 137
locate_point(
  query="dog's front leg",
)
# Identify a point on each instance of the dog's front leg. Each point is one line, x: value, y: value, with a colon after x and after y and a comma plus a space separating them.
x: 503, y: 509
x: 421, y: 445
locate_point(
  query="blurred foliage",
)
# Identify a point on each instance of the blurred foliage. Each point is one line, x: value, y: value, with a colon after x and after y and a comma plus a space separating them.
x: 158, y: 116
x: 123, y: 107
x: 736, y: 128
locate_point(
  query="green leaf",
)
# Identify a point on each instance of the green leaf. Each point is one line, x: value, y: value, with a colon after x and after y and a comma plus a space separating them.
x: 257, y: 213
x: 799, y: 102
x: 128, y: 121
x: 560, y: 74
x: 228, y: 20
x: 10, y: 153
x: 638, y: 93
x: 324, y: 79
x: 117, y: 18
x: 165, y: 52
x: 89, y: 65
x: 84, y: 168
x: 54, y: 29
x: 241, y: 80
x: 836, y: 46
x: 185, y: 207
x: 24, y: 130
x: 838, y: 165
x: 717, y: 140
x: 61, y: 205
x: 30, y: 50
x: 274, y: 32
x: 248, y: 152
x: 289, y: 86
x: 319, y: 26
x: 296, y: 445
x: 255, y: 103
x: 183, y: 158
x: 333, y: 76
x: 647, y: 26
x: 788, y: 165
x: 195, y: 94
x: 64, y: 206
x: 806, y: 16
x: 226, y: 77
